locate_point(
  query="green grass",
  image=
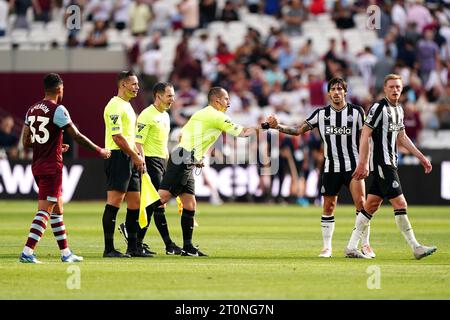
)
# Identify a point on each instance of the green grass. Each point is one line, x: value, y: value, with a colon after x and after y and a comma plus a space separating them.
x: 256, y: 252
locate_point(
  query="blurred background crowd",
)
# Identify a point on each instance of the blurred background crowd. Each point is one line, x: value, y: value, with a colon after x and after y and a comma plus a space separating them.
x: 273, y: 56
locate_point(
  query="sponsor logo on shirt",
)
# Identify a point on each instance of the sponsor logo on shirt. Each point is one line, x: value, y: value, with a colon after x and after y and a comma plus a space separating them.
x: 395, y: 127
x: 329, y: 130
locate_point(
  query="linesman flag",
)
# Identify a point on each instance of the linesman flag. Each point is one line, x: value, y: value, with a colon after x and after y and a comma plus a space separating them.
x: 148, y: 195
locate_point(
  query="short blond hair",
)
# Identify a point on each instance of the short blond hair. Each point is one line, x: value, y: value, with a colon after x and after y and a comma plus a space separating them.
x: 392, y: 76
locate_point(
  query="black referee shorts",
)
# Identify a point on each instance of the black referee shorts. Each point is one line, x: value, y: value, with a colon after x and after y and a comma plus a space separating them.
x: 179, y: 177
x: 332, y: 182
x: 121, y: 174
x: 386, y: 182
x: 156, y: 168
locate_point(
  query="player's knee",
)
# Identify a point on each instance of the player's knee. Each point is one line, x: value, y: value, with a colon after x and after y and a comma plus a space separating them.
x: 401, y: 204
x: 190, y: 205
x: 329, y: 207
x: 164, y: 197
x: 372, y: 206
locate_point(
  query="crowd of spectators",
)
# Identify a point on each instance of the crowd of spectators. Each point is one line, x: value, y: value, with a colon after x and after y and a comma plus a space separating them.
x: 265, y: 72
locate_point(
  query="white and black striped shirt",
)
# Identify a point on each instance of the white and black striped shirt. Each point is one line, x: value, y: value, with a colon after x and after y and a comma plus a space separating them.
x: 386, y: 121
x: 340, y: 132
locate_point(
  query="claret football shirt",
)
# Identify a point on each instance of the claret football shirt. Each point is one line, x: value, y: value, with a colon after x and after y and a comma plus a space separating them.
x: 46, y: 121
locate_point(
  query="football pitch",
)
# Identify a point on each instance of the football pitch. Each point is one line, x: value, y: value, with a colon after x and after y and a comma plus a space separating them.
x: 255, y: 251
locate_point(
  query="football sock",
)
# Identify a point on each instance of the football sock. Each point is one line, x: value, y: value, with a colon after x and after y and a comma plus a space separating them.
x: 327, y: 223
x: 141, y: 232
x: 132, y: 225
x: 402, y: 221
x: 156, y: 204
x: 366, y: 233
x: 187, y: 226
x: 37, y: 230
x: 161, y: 224
x: 59, y: 231
x: 362, y: 219
x: 109, y: 224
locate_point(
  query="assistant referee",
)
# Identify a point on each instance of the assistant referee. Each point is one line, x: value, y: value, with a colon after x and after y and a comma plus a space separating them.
x: 122, y: 168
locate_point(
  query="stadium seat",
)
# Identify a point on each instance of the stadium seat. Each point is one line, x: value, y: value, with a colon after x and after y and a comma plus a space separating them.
x: 19, y: 36
x: 5, y: 43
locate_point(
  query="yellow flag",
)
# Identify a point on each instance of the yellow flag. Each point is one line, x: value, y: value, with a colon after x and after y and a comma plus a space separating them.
x: 180, y: 206
x: 180, y: 210
x: 148, y: 195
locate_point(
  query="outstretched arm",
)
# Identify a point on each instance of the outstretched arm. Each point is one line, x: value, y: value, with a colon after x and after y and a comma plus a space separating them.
x: 406, y: 142
x: 84, y: 141
x: 246, y: 132
x: 291, y: 130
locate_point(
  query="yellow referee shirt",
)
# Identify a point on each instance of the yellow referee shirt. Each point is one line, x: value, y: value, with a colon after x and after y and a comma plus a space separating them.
x: 152, y: 132
x: 120, y: 118
x: 203, y: 129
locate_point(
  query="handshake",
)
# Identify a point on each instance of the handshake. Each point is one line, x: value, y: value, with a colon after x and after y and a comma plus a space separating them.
x: 270, y: 123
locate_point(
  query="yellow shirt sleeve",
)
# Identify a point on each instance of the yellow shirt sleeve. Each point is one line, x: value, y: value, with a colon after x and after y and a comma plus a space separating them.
x: 113, y: 118
x: 225, y: 124
x: 142, y: 128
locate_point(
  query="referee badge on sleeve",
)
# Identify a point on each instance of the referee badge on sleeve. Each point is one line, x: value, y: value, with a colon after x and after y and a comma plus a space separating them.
x: 140, y: 126
x: 114, y: 118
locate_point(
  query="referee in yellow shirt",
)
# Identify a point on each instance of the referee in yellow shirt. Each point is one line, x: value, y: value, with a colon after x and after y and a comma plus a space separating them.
x: 152, y: 135
x: 198, y: 135
x: 123, y: 167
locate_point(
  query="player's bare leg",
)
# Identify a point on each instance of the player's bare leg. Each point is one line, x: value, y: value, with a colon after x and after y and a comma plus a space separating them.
x: 37, y: 229
x: 401, y: 219
x: 327, y: 225
x: 164, y: 196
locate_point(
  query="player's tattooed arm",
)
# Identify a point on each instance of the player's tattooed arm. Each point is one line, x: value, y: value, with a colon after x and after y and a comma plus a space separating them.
x: 293, y: 130
x: 273, y: 122
x: 26, y: 137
